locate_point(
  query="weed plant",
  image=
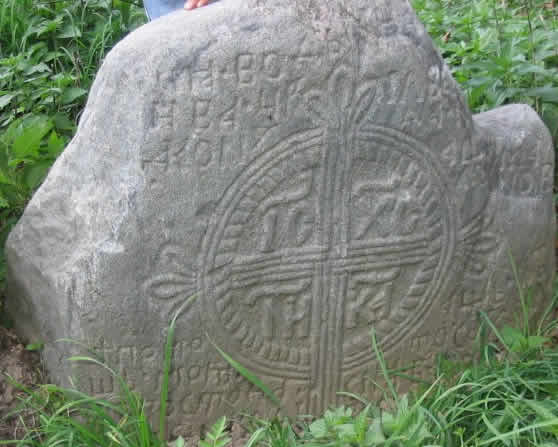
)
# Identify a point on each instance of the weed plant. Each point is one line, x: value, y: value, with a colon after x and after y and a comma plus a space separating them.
x: 500, y: 51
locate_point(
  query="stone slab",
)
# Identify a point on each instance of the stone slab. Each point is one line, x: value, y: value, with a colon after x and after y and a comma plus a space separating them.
x: 308, y: 171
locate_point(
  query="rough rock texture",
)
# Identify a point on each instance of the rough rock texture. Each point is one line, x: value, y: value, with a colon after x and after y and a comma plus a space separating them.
x: 308, y: 170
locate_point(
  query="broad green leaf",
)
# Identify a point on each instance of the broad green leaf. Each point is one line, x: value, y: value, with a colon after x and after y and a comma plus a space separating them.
x: 71, y: 94
x: 318, y: 428
x: 47, y: 26
x: 375, y: 434
x: 512, y: 337
x: 70, y: 31
x: 216, y: 437
x: 548, y: 94
x: 528, y: 68
x: 38, y: 68
x: 31, y: 133
x: 3, y: 201
x: 62, y: 122
x: 12, y: 193
x: 5, y: 100
x: 20, y: 162
x: 47, y: 101
x: 219, y: 427
x: 389, y: 424
x: 346, y: 432
x: 5, y: 231
x: 52, y: 55
x: 55, y: 144
x: 36, y: 173
x: 552, y: 60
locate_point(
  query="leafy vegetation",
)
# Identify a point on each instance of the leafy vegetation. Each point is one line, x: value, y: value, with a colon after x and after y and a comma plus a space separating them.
x: 500, y: 51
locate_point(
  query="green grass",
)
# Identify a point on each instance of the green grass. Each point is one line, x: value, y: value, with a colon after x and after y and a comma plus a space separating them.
x: 499, y: 51
x: 507, y: 397
x: 68, y: 417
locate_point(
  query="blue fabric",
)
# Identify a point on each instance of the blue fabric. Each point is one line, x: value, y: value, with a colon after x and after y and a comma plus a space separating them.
x: 158, y: 8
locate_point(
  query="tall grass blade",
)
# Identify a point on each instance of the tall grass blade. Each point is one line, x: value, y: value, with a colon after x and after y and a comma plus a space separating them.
x: 514, y: 433
x: 164, y: 394
x: 486, y: 319
x: 382, y: 362
x: 256, y: 437
x: 247, y: 374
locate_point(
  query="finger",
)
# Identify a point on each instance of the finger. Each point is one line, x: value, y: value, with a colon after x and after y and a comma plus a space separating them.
x: 190, y: 4
x: 202, y: 3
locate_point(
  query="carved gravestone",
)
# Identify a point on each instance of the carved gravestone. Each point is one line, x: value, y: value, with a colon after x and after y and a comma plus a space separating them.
x: 308, y: 171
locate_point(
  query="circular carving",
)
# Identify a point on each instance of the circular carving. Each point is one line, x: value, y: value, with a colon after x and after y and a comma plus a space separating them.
x: 313, y: 244
x: 409, y: 191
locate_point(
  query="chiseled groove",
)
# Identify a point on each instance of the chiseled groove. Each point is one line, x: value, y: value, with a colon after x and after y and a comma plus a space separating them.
x: 272, y: 276
x: 377, y: 265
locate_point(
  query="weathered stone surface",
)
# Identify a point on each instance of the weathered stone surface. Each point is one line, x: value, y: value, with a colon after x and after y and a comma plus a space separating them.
x: 308, y: 172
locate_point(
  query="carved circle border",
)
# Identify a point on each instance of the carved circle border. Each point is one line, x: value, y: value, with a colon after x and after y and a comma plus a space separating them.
x: 277, y: 154
x: 248, y: 178
x: 439, y: 277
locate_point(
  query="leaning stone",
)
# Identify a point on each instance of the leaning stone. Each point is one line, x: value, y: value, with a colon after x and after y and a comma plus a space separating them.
x: 307, y: 173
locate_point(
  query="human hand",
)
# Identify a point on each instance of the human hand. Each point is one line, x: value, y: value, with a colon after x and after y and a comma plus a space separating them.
x: 193, y: 4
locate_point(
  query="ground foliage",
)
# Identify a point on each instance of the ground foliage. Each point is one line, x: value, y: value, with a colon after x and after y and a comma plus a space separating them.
x: 500, y: 51
x: 507, y: 396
